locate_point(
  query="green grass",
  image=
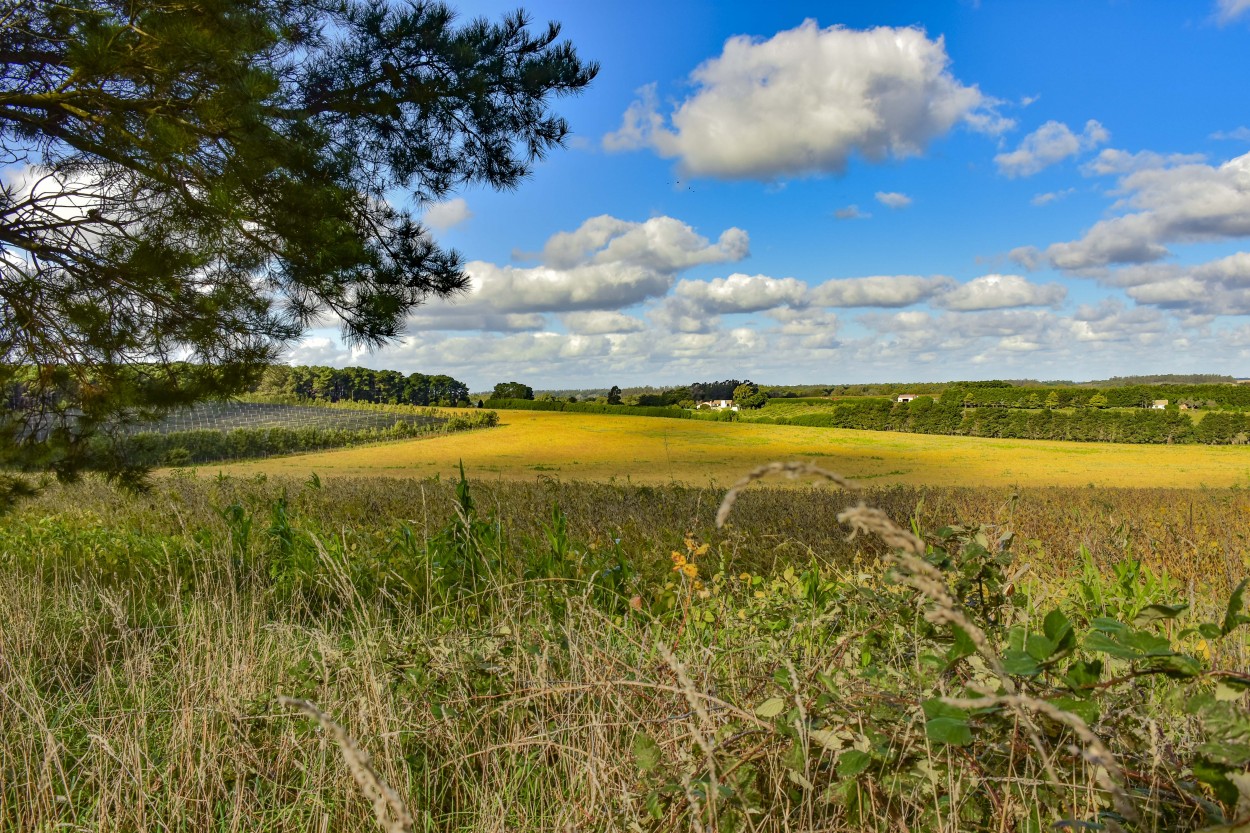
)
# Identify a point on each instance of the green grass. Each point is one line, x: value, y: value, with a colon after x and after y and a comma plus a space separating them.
x: 523, y: 656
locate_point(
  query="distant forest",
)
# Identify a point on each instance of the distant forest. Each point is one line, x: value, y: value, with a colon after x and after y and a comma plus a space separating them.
x: 360, y: 384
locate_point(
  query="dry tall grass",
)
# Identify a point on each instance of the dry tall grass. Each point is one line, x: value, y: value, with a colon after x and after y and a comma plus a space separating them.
x: 149, y: 700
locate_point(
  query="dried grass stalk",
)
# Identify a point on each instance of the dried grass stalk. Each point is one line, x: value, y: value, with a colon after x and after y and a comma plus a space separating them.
x: 1106, y: 768
x: 388, y: 807
x: 791, y: 470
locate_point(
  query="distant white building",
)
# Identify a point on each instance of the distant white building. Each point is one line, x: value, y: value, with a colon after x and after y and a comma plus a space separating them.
x: 1159, y: 405
x: 718, y: 405
x: 906, y: 397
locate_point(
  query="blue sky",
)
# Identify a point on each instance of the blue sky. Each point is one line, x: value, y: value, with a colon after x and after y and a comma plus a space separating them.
x: 840, y: 192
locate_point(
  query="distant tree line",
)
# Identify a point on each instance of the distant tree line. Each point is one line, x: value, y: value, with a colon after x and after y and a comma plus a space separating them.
x: 925, y: 415
x: 360, y: 384
x: 707, y: 391
x: 1163, y: 379
x: 1230, y: 397
x: 589, y: 408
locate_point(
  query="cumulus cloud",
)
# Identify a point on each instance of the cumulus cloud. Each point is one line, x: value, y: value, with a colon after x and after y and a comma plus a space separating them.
x: 791, y: 344
x: 681, y: 315
x: 1113, y: 161
x: 851, y: 212
x: 740, y: 293
x: 1226, y: 11
x: 1111, y: 321
x: 1186, y: 203
x: 605, y: 264
x: 1001, y: 291
x: 1239, y: 134
x: 510, y: 322
x: 1217, y: 287
x: 661, y: 243
x: 1052, y: 142
x: 1051, y: 196
x: 449, y: 214
x: 805, y: 329
x: 601, y: 322
x: 893, y: 199
x: 807, y: 99
x: 878, y: 291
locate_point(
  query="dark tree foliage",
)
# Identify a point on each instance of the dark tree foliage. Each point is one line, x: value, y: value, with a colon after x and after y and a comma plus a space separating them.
x: 193, y: 184
x: 748, y: 395
x: 360, y: 384
x: 614, y: 396
x: 511, y: 390
x: 705, y: 391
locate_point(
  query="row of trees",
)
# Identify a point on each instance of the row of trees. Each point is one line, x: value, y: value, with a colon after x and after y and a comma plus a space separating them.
x: 925, y: 415
x: 1231, y: 397
x: 360, y: 384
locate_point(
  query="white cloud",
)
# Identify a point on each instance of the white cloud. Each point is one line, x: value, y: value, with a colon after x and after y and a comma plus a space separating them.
x: 805, y: 329
x: 1113, y: 162
x: 851, y: 212
x: 499, y: 322
x: 1001, y: 291
x: 1051, y: 196
x: 1226, y: 11
x: 543, y: 289
x: 792, y: 345
x: 893, y: 199
x: 601, y: 322
x: 878, y: 291
x: 1052, y: 142
x: 806, y: 100
x: 1217, y: 287
x: 661, y: 243
x: 449, y: 214
x: 679, y: 315
x: 1239, y: 134
x: 1186, y: 203
x: 605, y: 264
x: 740, y: 293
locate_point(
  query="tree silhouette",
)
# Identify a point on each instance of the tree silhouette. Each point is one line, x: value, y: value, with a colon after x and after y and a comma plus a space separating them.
x: 191, y: 185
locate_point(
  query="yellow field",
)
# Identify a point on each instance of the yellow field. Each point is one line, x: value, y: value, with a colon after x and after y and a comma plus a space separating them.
x: 529, y: 444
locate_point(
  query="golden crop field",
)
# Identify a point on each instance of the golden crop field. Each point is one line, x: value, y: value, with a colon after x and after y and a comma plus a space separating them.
x: 530, y: 444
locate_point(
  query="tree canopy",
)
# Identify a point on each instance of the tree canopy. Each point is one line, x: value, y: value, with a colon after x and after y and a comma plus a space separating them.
x: 191, y: 185
x: 512, y: 390
x: 748, y: 395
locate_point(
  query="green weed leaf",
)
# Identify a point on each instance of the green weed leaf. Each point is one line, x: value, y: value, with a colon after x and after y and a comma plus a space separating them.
x: 1157, y: 612
x: 770, y: 708
x: 646, y: 752
x: 852, y: 763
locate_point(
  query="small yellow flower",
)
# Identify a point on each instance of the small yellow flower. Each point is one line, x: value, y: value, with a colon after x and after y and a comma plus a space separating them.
x: 1203, y: 649
x: 759, y: 594
x: 689, y: 570
x: 678, y: 559
x: 701, y: 549
x: 744, y: 577
x: 690, y: 544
